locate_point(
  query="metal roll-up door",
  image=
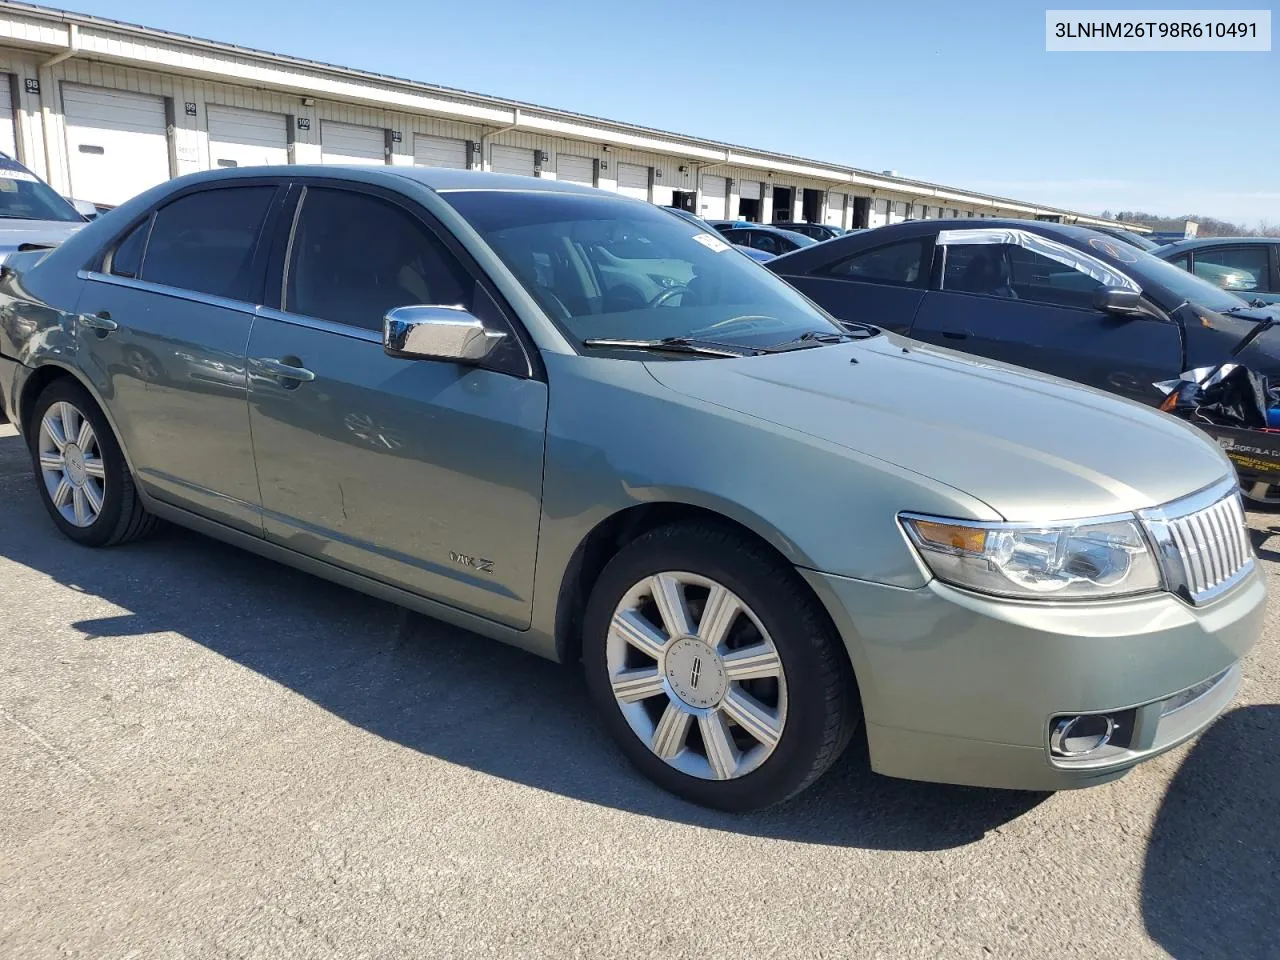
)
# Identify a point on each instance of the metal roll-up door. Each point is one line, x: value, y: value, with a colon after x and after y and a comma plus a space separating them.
x: 513, y: 160
x: 116, y: 143
x: 429, y: 151
x: 749, y: 189
x: 246, y: 138
x: 835, y: 209
x: 633, y: 181
x: 711, y: 206
x: 8, y: 134
x: 348, y: 143
x: 576, y: 170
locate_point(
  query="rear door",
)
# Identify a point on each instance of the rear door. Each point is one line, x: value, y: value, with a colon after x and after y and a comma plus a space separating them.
x: 1031, y: 303
x: 422, y: 474
x: 883, y: 285
x: 164, y: 326
x: 1246, y: 270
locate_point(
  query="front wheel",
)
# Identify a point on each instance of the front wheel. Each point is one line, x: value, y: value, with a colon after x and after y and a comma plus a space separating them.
x: 715, y: 668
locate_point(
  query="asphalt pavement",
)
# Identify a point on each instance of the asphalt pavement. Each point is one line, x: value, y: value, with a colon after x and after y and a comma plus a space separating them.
x: 205, y: 754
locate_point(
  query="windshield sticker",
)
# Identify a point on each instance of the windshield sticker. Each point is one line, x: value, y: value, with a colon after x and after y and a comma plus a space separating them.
x: 8, y: 186
x: 7, y: 174
x: 1114, y: 249
x: 714, y: 244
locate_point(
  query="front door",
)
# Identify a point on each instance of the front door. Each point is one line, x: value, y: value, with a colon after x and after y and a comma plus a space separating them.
x: 1033, y: 306
x: 422, y: 474
x: 164, y: 338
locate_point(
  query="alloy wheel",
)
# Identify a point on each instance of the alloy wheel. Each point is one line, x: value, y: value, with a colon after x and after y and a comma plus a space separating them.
x: 71, y: 464
x: 696, y: 675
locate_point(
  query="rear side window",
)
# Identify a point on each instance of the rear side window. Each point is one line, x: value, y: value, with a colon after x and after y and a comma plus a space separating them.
x: 205, y: 241
x: 356, y: 257
x: 126, y: 259
x: 899, y: 264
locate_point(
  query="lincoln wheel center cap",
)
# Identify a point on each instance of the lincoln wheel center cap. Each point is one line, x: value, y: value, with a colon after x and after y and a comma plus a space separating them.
x: 74, y: 461
x: 696, y: 673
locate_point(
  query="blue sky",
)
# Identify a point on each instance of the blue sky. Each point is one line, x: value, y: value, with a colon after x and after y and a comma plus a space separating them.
x: 961, y: 93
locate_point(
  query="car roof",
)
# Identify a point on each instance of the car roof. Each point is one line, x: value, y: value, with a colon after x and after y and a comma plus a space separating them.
x: 1192, y: 243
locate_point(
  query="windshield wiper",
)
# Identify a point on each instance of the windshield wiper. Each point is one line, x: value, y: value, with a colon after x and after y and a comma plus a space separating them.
x: 818, y: 338
x: 703, y: 348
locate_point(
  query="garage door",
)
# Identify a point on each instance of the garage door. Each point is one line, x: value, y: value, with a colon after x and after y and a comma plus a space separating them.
x: 8, y: 142
x: 633, y: 181
x: 516, y: 160
x: 749, y: 189
x: 576, y: 170
x: 712, y: 203
x: 439, y: 152
x: 246, y: 138
x: 347, y: 143
x: 116, y: 143
x: 835, y: 209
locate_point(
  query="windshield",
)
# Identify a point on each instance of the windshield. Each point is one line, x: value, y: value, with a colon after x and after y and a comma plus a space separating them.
x: 25, y: 197
x: 1139, y: 241
x: 606, y: 267
x: 1150, y: 270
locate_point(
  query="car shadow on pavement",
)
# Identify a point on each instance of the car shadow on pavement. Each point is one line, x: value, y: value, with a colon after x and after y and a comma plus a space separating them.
x: 1213, y: 862
x: 446, y: 692
x: 1260, y: 538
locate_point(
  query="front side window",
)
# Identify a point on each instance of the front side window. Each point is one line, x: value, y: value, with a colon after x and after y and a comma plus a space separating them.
x: 1240, y: 269
x: 205, y: 241
x: 900, y: 264
x: 603, y: 267
x: 355, y: 257
x: 1012, y: 272
x: 766, y: 242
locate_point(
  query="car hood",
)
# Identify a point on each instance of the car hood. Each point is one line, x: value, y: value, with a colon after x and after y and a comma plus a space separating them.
x: 1031, y: 447
x: 14, y: 233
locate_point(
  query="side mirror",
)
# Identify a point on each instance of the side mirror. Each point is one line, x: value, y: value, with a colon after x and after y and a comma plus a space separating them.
x: 1118, y: 300
x: 438, y: 333
x: 85, y: 208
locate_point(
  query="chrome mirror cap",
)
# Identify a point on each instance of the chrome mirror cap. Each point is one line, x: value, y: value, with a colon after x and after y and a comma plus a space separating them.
x: 438, y: 333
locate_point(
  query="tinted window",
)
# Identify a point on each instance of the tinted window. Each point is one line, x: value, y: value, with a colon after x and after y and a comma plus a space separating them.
x: 768, y: 242
x: 24, y: 196
x: 205, y: 241
x: 1235, y: 268
x: 126, y: 259
x: 1039, y: 279
x: 355, y: 257
x: 902, y: 264
x: 1183, y: 261
x: 607, y: 267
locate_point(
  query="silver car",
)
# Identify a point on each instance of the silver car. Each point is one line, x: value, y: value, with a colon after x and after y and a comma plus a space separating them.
x: 575, y: 423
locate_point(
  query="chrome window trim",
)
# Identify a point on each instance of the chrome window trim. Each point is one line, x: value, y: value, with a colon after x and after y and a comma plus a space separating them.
x: 178, y: 293
x: 323, y: 326
x: 288, y: 250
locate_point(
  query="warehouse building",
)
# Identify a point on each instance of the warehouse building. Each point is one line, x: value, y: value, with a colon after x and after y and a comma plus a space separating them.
x: 103, y: 110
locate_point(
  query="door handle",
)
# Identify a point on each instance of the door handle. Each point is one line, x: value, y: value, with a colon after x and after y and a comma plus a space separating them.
x: 100, y: 321
x: 284, y: 371
x: 955, y: 335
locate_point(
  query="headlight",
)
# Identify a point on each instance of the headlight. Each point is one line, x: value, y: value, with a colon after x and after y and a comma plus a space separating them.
x: 1079, y: 559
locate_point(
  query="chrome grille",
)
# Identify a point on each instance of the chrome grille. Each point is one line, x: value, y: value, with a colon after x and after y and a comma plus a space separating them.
x: 1204, y: 548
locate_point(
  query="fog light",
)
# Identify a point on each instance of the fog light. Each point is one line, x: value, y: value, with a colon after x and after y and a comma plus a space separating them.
x: 1080, y: 736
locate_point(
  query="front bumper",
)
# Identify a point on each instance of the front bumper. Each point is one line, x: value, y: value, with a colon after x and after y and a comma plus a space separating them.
x: 961, y: 688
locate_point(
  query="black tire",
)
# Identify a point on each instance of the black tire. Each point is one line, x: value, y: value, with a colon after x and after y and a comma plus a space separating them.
x: 122, y: 518
x: 822, y: 711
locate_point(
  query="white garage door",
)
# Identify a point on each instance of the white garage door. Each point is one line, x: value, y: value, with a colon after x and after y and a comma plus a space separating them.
x: 347, y: 143
x: 439, y: 152
x: 516, y: 160
x: 116, y: 143
x: 749, y: 189
x: 8, y: 142
x: 712, y: 204
x: 576, y: 170
x: 246, y: 138
x: 835, y: 209
x: 633, y: 181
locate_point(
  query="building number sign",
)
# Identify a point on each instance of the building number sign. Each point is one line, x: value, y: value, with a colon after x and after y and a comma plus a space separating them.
x: 190, y: 108
x: 33, y: 85
x: 304, y: 123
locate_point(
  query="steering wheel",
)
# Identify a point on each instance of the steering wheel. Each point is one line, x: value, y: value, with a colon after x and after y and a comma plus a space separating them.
x: 667, y: 294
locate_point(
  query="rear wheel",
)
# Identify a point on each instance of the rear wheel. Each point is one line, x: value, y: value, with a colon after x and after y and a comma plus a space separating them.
x: 715, y: 668
x: 81, y: 474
